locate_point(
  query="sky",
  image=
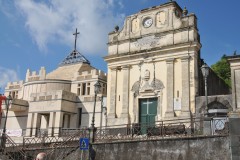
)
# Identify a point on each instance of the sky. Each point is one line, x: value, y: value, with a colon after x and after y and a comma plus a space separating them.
x: 36, y: 33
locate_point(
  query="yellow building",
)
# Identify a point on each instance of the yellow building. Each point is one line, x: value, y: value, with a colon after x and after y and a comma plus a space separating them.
x: 154, y: 66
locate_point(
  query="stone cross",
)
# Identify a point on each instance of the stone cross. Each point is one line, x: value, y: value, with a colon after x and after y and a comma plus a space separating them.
x: 75, y: 34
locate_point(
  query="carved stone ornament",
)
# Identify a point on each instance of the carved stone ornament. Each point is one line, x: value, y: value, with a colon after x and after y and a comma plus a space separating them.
x: 156, y: 85
x: 150, y: 41
x: 135, y: 88
x: 146, y: 86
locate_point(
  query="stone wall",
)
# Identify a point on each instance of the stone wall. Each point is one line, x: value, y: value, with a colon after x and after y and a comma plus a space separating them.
x: 215, y: 85
x: 203, y: 148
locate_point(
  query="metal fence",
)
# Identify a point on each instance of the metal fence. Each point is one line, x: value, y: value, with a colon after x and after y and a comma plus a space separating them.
x: 60, y: 147
x: 179, y: 128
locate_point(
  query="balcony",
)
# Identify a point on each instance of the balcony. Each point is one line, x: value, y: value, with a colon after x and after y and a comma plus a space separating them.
x: 17, y: 105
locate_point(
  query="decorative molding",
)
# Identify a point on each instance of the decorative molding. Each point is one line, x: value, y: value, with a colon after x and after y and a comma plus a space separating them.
x: 150, y: 41
x: 113, y: 68
x: 170, y: 60
x: 136, y: 88
x: 185, y: 58
x: 125, y: 67
x: 157, y: 84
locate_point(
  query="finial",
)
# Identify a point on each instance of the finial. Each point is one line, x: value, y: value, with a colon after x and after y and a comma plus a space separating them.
x: 185, y: 11
x: 75, y: 34
x: 116, y: 28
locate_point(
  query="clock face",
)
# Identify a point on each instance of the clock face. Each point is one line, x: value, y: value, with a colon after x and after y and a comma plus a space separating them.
x: 219, y: 124
x: 147, y: 22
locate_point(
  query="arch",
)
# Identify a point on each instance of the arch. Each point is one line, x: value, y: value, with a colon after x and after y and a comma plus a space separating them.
x: 216, y: 105
x: 216, y: 102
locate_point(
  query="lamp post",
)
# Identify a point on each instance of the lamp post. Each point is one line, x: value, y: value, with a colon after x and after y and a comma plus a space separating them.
x: 97, y: 87
x: 205, y: 72
x: 7, y: 103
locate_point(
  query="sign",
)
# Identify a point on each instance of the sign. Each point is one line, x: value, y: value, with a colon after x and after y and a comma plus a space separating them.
x: 177, y: 104
x: 84, y: 143
x: 13, y: 132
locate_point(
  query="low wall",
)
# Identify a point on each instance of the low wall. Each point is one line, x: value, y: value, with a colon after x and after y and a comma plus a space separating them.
x: 201, y: 148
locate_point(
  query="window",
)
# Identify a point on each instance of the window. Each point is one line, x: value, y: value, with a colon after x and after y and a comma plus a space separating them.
x: 83, y: 88
x: 16, y: 94
x: 88, y: 88
x: 78, y: 89
x: 13, y: 94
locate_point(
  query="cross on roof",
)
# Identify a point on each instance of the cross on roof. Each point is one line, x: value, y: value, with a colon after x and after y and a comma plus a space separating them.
x: 75, y: 34
x: 75, y: 56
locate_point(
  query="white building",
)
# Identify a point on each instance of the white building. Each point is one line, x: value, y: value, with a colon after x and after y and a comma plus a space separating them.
x: 51, y: 102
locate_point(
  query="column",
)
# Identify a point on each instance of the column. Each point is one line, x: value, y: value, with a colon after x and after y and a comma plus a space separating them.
x: 185, y: 87
x: 29, y: 124
x: 36, y: 123
x: 51, y: 124
x: 125, y: 91
x: 234, y: 106
x: 237, y: 88
x: 235, y: 77
x: 58, y: 123
x: 169, y: 88
x: 113, y: 88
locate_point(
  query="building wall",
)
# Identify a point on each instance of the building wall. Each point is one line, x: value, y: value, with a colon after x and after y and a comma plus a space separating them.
x: 204, y: 148
x: 235, y: 78
x: 45, y: 101
x: 167, y: 50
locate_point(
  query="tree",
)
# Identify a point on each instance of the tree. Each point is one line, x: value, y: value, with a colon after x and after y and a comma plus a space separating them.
x: 222, y: 69
x: 235, y: 53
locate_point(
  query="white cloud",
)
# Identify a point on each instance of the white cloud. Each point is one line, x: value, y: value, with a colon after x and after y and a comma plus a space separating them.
x: 54, y: 21
x: 7, y: 75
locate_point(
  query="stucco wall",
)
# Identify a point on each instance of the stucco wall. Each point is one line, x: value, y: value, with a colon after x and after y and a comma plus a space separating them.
x: 206, y: 148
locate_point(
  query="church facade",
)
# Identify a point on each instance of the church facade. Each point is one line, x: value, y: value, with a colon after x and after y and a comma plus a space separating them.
x: 154, y: 74
x: 51, y: 103
x: 154, y: 67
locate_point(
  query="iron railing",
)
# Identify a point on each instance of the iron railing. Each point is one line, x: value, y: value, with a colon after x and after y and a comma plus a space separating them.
x: 59, y: 147
x: 179, y: 128
x: 12, y: 150
x: 66, y: 147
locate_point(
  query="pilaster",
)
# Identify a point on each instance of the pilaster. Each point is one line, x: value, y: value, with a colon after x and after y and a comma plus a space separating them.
x: 29, y: 124
x: 235, y: 73
x: 51, y: 123
x: 185, y: 87
x: 234, y: 106
x: 125, y: 94
x: 170, y: 87
x: 36, y: 123
x: 58, y: 123
x: 112, y: 109
x: 125, y: 91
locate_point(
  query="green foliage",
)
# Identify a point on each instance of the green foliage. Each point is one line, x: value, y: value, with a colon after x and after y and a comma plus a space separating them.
x: 222, y: 69
x: 235, y: 53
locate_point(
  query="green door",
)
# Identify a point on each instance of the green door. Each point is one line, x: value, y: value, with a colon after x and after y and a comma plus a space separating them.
x: 147, y: 113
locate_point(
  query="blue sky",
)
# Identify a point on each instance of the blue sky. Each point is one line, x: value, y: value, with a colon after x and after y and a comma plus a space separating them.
x: 35, y: 33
